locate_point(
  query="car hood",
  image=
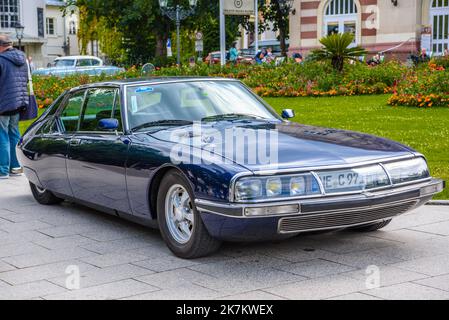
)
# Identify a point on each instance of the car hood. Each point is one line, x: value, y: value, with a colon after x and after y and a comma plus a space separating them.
x: 286, y: 145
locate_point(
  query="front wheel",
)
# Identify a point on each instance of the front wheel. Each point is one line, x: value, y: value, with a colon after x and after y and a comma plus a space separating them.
x: 371, y: 227
x: 181, y: 226
x: 44, y: 196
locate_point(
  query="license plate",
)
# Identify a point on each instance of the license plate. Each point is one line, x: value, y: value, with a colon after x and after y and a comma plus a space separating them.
x: 342, y: 180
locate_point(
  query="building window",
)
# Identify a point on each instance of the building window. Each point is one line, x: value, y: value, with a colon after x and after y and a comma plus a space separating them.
x: 50, y: 26
x: 72, y: 27
x: 439, y: 12
x: 340, y: 16
x: 9, y: 13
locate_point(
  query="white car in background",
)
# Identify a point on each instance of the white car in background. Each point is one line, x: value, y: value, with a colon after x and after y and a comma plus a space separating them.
x: 69, y: 65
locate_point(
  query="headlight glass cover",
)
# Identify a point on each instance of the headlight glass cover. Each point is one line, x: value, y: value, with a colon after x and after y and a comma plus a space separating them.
x: 408, y: 171
x: 285, y: 186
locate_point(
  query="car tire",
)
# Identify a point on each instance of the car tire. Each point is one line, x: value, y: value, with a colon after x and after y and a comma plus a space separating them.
x: 371, y: 227
x: 187, y: 238
x: 43, y: 196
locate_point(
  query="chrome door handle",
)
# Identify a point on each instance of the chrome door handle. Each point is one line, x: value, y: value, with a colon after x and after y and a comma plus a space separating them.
x: 75, y: 142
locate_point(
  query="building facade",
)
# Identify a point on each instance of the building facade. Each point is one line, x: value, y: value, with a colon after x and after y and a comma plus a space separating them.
x: 48, y: 32
x: 393, y: 27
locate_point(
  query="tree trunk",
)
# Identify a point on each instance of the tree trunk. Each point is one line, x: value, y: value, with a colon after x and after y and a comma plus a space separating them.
x: 161, y: 45
x: 282, y: 42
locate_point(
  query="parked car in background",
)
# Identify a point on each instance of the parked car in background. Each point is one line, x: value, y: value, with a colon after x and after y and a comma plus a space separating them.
x: 152, y: 151
x: 215, y: 57
x: 78, y: 65
x: 274, y: 44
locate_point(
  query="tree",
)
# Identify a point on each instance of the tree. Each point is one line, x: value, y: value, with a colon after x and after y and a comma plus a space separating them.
x: 278, y: 12
x: 336, y: 48
x: 142, y: 31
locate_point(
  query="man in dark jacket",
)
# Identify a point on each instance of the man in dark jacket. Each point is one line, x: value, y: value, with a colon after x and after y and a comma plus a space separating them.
x: 13, y: 98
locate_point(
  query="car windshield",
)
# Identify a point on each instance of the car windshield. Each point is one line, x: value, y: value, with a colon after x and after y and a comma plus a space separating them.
x: 186, y: 102
x: 64, y: 63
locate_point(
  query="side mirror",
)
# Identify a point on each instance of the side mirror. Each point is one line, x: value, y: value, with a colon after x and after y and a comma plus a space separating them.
x: 108, y: 124
x: 288, y: 114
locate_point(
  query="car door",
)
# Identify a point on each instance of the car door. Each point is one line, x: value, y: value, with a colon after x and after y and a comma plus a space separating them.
x: 96, y: 158
x: 51, y: 143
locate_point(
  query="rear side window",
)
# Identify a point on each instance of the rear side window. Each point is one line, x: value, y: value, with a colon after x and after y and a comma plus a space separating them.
x: 70, y: 115
x: 101, y: 103
x: 94, y: 62
x: 84, y: 63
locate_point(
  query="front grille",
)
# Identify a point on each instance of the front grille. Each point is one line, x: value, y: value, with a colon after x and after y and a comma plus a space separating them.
x: 341, y: 219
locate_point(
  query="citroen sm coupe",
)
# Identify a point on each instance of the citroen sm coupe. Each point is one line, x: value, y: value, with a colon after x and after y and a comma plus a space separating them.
x: 205, y: 160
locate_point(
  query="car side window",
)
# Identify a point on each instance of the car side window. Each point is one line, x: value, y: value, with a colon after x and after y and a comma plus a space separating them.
x: 94, y: 62
x: 100, y: 104
x: 70, y: 115
x: 84, y: 63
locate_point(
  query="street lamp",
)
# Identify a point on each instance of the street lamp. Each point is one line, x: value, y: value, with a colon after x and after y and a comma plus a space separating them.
x: 177, y: 14
x: 19, y: 33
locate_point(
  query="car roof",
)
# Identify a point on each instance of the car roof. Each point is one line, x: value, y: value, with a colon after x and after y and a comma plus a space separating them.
x: 77, y: 57
x: 153, y: 80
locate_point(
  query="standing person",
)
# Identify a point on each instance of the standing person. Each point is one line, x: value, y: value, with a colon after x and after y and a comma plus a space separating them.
x: 31, y: 63
x: 13, y: 98
x: 233, y: 53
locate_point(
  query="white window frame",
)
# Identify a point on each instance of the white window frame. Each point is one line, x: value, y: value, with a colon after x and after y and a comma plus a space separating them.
x: 47, y: 25
x: 10, y: 22
x: 340, y: 18
x: 440, y: 12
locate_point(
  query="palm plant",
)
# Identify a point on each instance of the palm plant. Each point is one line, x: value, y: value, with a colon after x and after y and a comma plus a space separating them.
x: 336, y: 49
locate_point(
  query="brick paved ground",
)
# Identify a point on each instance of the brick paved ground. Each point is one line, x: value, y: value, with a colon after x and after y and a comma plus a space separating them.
x: 120, y: 260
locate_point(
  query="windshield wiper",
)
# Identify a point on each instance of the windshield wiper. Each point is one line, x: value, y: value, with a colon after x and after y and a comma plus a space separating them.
x: 162, y: 123
x: 232, y: 116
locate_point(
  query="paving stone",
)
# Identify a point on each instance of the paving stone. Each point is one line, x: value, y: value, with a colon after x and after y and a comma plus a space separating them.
x: 252, y: 295
x: 440, y: 228
x: 112, y: 259
x: 165, y: 263
x: 319, y: 288
x: 105, y: 247
x: 388, y: 275
x: 432, y: 266
x: 16, y: 249
x: 438, y: 282
x: 190, y: 292
x: 408, y: 291
x: 5, y: 267
x: 109, y: 291
x: 404, y: 235
x: 42, y: 272
x: 96, y: 276
x: 175, y: 278
x: 65, y: 242
x: 29, y: 290
x: 361, y: 259
x: 355, y: 296
x: 316, y: 268
x: 14, y: 227
x: 51, y: 256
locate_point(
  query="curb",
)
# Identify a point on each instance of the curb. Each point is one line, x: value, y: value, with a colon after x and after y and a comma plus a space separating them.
x: 438, y: 203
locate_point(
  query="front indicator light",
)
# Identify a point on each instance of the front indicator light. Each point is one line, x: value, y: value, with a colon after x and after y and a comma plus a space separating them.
x: 269, y: 211
x: 433, y: 189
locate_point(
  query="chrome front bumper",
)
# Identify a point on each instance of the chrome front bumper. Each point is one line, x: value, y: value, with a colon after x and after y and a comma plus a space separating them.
x: 328, y: 212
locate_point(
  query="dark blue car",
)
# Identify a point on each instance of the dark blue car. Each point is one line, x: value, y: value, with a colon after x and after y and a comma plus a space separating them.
x: 205, y: 160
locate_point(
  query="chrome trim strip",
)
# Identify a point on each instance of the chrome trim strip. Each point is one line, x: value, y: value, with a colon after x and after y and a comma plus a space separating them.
x: 320, y: 183
x: 313, y: 170
x: 387, y: 173
x: 317, y: 200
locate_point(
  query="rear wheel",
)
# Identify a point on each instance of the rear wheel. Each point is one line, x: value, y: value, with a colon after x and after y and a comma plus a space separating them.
x: 44, y: 196
x: 181, y: 226
x: 371, y: 227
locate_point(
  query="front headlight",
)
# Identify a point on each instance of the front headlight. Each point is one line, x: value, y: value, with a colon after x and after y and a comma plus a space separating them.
x: 286, y: 186
x: 407, y: 171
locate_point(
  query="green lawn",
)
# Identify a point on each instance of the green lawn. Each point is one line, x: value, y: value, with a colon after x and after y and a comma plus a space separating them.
x: 426, y: 130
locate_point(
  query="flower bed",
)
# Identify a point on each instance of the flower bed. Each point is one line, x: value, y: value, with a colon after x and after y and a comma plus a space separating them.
x: 424, y: 86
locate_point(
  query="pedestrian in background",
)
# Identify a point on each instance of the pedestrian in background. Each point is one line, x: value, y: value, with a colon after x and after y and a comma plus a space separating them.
x: 13, y: 99
x: 233, y: 53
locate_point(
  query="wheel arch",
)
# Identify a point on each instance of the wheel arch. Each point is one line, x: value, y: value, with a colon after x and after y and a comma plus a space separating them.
x: 155, y: 182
